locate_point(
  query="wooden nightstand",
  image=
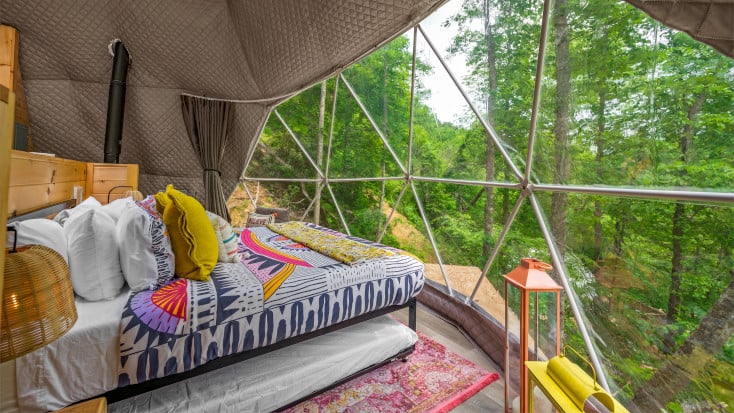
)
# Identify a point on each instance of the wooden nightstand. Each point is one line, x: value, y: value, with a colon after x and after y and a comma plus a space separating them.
x: 98, y: 405
x: 110, y: 181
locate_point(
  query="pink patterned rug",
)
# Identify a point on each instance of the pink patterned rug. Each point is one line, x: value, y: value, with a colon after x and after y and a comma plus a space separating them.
x: 434, y: 379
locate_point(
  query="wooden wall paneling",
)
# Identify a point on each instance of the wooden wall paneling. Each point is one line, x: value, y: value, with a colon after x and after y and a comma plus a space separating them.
x: 39, y: 180
x: 8, y: 41
x: 11, y: 77
x: 42, y: 169
x: 7, y: 114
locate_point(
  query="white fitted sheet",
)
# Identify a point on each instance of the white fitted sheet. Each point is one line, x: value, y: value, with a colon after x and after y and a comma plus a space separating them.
x: 80, y: 364
x: 272, y: 380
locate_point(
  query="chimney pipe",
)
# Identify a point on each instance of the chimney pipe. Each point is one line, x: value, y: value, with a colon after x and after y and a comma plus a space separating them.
x: 116, y: 103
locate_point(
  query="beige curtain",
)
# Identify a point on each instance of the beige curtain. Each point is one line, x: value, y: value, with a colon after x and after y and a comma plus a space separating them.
x: 208, y: 123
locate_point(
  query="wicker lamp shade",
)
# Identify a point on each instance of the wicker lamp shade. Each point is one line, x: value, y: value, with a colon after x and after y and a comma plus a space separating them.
x: 38, y: 301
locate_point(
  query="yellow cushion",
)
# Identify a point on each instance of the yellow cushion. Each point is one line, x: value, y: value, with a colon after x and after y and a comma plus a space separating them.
x: 161, y: 200
x: 192, y: 236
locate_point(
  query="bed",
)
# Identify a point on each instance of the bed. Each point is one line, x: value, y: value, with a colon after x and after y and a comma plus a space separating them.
x: 280, y: 294
x: 280, y: 290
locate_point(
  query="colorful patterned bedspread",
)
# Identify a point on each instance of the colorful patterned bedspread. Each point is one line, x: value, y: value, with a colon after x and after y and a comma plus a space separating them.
x: 280, y: 289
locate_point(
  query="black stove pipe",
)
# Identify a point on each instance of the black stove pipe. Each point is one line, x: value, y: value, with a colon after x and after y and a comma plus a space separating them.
x: 116, y: 104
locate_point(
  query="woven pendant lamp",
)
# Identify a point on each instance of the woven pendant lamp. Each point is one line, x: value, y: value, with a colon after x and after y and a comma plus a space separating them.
x: 38, y: 301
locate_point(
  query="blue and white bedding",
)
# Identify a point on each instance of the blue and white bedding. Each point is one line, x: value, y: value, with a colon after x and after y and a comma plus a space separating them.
x: 280, y: 289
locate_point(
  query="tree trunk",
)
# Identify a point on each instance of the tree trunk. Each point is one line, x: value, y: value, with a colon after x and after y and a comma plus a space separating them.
x: 489, y: 154
x: 600, y: 147
x: 696, y: 352
x: 677, y: 267
x: 559, y: 200
x: 679, y: 217
x: 619, y: 235
x: 320, y: 153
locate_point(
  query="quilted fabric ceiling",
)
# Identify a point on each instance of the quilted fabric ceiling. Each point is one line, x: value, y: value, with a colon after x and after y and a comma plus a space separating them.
x: 237, y: 49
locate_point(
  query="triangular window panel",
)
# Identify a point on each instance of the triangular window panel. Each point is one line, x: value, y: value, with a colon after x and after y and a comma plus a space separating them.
x: 449, y: 140
x: 357, y: 151
x: 382, y: 82
x: 359, y: 205
x: 491, y: 48
x: 308, y: 114
x: 278, y: 155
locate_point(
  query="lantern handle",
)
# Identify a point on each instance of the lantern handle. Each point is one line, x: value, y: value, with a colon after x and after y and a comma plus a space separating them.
x: 15, y: 237
x: 540, y: 265
x: 593, y: 370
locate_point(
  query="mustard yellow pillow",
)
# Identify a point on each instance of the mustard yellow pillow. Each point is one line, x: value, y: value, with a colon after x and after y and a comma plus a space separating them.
x: 161, y: 200
x: 193, y: 240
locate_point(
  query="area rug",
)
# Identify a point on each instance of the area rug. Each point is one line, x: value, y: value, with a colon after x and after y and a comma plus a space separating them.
x: 434, y: 379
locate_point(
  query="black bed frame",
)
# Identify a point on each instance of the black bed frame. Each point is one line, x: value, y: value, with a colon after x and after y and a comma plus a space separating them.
x: 122, y: 393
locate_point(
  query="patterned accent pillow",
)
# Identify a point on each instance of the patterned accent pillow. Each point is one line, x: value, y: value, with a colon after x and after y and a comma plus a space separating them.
x: 226, y: 238
x: 281, y: 214
x: 149, y: 205
x: 259, y: 220
x: 192, y: 236
x: 146, y: 255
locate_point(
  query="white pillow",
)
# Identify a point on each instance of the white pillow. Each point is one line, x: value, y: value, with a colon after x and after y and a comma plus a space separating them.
x: 62, y: 216
x: 89, y: 203
x: 115, y: 208
x: 94, y: 256
x: 39, y: 231
x: 226, y: 238
x: 146, y: 255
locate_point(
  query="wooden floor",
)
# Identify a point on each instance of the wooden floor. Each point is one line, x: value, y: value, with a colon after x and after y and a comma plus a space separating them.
x: 491, y: 398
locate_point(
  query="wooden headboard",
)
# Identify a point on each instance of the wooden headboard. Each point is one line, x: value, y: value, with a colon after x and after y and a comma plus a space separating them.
x: 38, y: 181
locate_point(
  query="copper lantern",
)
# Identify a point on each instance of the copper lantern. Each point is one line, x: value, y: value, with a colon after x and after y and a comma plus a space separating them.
x: 532, y: 326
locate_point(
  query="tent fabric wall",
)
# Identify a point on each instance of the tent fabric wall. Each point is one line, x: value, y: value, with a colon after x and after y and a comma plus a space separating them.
x: 248, y: 50
x: 708, y: 21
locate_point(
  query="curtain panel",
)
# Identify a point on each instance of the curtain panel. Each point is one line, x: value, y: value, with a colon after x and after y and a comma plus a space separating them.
x: 208, y: 123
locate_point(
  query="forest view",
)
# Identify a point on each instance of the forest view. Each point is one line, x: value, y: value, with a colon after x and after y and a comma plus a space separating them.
x: 626, y: 102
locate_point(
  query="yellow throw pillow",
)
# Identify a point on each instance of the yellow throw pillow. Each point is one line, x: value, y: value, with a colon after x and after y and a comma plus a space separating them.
x: 193, y: 240
x: 161, y: 201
